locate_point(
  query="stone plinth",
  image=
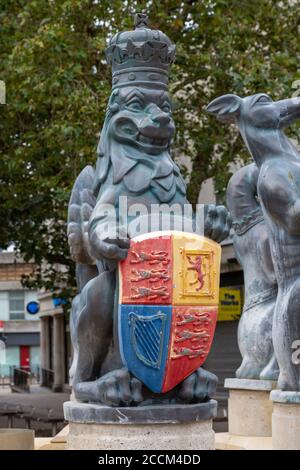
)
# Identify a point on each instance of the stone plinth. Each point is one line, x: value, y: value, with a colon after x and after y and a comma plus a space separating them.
x: 285, y: 420
x: 249, y: 407
x: 161, y: 427
x: 226, y: 441
x: 16, y: 439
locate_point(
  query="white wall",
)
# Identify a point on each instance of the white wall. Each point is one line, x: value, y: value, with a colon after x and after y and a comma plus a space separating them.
x: 207, y: 192
x: 13, y: 356
x: 35, y: 355
x: 4, y: 305
x: 2, y: 352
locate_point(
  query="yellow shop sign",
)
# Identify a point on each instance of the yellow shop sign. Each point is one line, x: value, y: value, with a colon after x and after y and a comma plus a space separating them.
x: 230, y: 304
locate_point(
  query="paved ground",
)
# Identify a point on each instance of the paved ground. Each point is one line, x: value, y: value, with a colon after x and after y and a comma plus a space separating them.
x: 43, y: 398
x: 40, y: 398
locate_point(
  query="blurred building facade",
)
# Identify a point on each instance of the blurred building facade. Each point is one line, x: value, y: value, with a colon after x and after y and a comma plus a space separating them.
x: 19, y: 330
x: 56, y: 351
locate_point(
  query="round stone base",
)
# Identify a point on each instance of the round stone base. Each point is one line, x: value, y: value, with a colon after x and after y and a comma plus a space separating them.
x: 249, y: 407
x: 160, y: 427
x: 286, y: 420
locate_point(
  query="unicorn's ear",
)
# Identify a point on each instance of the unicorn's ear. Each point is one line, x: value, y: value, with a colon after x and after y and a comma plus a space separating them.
x: 225, y: 108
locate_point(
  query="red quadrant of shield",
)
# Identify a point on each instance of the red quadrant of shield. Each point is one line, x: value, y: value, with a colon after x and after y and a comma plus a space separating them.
x: 192, y: 332
x: 147, y: 272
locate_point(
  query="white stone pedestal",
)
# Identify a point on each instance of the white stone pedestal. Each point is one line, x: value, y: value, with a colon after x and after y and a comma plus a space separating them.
x: 249, y: 407
x: 285, y: 420
x: 159, y: 427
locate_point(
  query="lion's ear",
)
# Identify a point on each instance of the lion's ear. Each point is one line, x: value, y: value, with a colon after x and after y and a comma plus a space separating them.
x: 113, y: 104
x: 225, y: 108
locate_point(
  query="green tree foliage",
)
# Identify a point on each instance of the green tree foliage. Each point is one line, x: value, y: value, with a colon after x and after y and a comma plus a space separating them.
x: 53, y: 63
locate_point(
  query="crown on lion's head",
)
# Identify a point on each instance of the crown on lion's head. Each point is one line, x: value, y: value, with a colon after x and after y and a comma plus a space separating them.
x: 140, y: 57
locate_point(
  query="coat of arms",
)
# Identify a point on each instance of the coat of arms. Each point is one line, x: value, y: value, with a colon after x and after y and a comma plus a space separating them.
x: 168, y: 306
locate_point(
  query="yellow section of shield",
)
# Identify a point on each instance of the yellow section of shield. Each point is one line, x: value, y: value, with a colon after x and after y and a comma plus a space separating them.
x: 196, y: 270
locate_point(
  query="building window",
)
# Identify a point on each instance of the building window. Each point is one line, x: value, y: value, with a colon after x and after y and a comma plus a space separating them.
x: 16, y: 305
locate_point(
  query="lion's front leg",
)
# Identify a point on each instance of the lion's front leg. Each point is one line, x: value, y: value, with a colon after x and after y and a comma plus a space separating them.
x: 217, y: 222
x: 116, y: 388
x: 198, y: 387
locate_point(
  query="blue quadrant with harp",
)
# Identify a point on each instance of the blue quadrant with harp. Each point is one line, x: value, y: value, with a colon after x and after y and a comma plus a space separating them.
x: 148, y: 330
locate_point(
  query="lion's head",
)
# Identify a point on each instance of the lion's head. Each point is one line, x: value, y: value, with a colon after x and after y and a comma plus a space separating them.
x: 142, y: 118
x: 138, y: 129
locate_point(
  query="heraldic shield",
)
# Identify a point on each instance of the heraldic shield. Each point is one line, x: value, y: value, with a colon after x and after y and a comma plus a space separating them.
x: 168, y: 306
